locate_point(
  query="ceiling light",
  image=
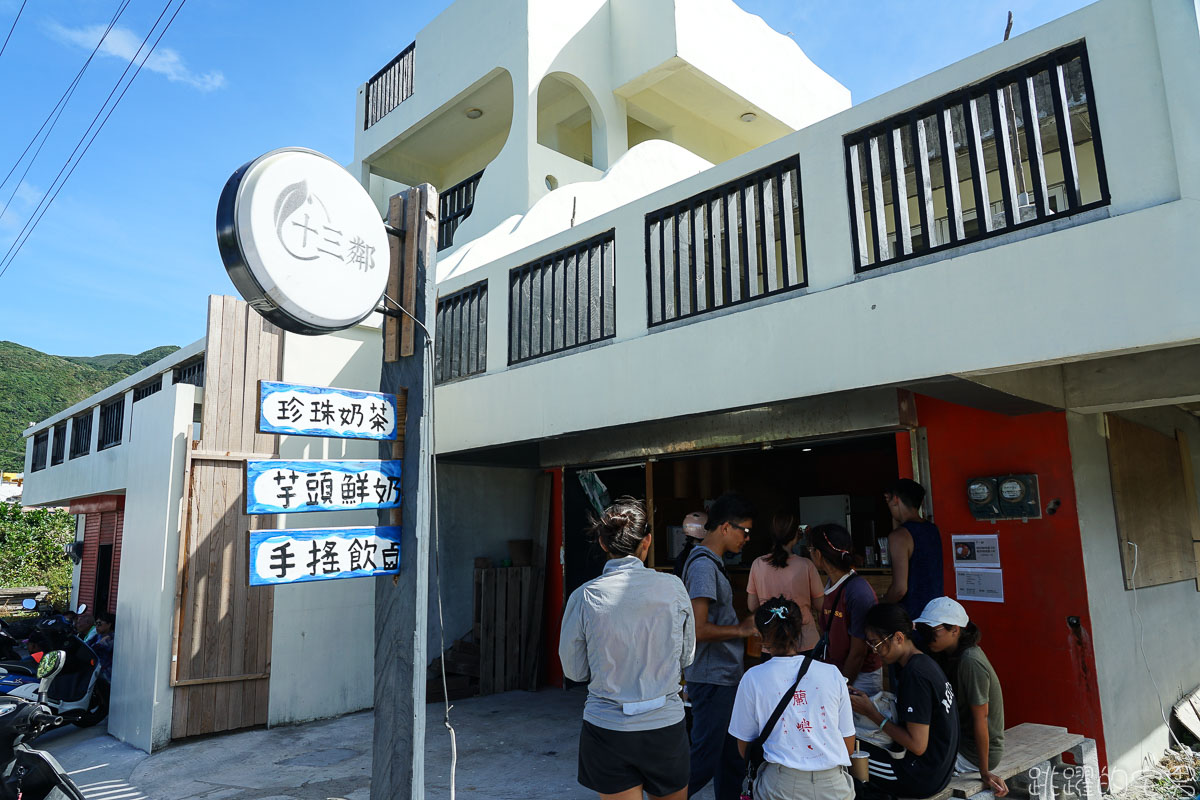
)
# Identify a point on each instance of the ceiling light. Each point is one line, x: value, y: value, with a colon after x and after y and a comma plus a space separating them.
x: 806, y: 450
x: 474, y: 113
x: 749, y: 116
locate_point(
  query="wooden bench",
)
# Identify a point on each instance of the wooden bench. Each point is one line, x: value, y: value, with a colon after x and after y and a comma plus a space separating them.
x: 1033, y: 754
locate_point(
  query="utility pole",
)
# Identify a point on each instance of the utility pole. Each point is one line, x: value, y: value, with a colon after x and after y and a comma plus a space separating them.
x: 401, y: 601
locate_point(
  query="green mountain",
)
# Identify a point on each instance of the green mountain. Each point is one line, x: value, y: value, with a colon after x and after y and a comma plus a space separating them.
x: 36, y: 385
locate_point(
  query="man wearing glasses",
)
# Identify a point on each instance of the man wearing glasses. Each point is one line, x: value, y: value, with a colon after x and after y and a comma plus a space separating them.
x: 713, y: 676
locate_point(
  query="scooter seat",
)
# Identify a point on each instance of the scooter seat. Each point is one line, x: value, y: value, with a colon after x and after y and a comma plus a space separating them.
x: 17, y: 669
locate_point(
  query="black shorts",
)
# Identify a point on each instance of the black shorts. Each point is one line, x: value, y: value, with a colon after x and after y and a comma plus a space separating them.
x: 615, y: 761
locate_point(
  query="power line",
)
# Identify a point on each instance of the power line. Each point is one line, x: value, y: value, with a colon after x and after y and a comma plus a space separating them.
x: 44, y: 205
x: 59, y: 107
x: 12, y: 28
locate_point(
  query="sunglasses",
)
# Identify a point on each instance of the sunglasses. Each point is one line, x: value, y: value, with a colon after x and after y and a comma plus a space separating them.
x: 745, y: 531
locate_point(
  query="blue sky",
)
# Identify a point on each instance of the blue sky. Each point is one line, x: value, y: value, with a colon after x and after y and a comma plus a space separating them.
x: 126, y: 256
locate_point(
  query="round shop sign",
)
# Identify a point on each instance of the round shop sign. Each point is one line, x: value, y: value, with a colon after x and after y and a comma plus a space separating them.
x: 302, y: 241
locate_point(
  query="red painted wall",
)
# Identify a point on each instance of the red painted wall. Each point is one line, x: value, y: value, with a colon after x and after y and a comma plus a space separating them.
x: 1046, y: 669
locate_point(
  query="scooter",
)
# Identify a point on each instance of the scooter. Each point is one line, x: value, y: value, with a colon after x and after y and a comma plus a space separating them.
x: 26, y: 773
x: 78, y: 693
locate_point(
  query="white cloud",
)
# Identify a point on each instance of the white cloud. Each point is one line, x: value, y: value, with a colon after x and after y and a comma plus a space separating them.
x: 24, y: 199
x: 123, y: 43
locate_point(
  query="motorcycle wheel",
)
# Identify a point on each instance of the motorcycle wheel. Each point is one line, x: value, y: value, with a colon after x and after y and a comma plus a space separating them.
x: 98, y: 709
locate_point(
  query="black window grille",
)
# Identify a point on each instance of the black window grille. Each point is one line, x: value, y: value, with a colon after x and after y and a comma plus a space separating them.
x: 112, y: 415
x: 390, y: 87
x: 59, y: 448
x: 461, y: 334
x: 454, y: 205
x: 909, y: 197
x: 191, y: 372
x: 41, y: 444
x: 146, y: 389
x: 726, y: 246
x: 81, y: 434
x: 564, y: 300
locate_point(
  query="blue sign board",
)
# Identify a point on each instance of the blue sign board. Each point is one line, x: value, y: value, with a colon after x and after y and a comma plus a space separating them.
x: 291, y: 487
x: 319, y: 411
x: 322, y: 554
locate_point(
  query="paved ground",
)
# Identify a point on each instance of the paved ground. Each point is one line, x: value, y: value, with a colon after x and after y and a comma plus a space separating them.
x: 512, y: 745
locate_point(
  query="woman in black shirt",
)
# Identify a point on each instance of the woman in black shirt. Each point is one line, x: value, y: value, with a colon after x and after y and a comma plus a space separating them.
x: 927, y: 718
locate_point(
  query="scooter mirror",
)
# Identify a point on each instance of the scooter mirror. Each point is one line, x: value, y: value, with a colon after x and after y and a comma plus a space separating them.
x: 82, y: 608
x: 29, y: 604
x: 51, y: 663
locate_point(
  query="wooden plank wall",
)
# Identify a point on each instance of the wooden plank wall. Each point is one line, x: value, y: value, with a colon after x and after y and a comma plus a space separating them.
x: 223, y: 625
x: 1151, y: 500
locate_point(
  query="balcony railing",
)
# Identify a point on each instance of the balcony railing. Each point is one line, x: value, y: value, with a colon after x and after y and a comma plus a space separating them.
x: 461, y: 333
x: 726, y: 246
x: 1022, y: 148
x: 41, y: 443
x: 1015, y: 150
x: 563, y: 301
x: 192, y: 372
x: 455, y: 205
x: 390, y: 87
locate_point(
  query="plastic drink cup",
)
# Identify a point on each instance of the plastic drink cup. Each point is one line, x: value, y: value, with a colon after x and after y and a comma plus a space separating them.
x: 858, y: 766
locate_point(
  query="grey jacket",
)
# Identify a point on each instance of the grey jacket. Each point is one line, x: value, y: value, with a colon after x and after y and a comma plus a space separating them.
x: 629, y: 633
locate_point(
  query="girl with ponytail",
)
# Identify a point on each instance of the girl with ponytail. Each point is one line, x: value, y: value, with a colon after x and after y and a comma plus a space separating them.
x: 808, y: 748
x: 848, y: 599
x: 628, y: 634
x: 781, y: 573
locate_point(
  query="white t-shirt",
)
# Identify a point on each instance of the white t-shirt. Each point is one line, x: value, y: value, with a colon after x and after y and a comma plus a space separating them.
x: 810, y: 733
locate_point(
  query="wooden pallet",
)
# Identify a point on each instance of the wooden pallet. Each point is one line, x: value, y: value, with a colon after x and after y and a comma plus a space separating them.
x: 504, y: 610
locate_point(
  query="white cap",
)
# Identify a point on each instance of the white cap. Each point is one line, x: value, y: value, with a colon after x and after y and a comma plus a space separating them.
x: 693, y: 524
x: 943, y: 611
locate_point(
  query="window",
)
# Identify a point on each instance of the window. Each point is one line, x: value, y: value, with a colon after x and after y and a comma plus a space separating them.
x: 460, y: 339
x: 1025, y: 144
x: 564, y: 300
x: 148, y: 388
x: 726, y: 246
x: 112, y: 415
x: 41, y: 442
x: 81, y: 434
x: 58, y: 450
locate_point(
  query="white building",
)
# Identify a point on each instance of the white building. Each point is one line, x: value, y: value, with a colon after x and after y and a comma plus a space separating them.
x: 674, y: 251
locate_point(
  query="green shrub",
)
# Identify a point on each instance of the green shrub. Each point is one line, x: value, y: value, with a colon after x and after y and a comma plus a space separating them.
x: 32, y: 549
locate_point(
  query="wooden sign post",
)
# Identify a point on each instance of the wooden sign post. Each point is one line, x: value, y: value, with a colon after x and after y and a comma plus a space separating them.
x: 401, y: 601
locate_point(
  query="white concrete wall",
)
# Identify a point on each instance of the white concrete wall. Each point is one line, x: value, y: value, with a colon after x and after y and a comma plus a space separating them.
x: 606, y: 45
x: 141, y: 693
x: 479, y: 510
x: 322, y: 630
x: 1168, y: 626
x: 75, y: 569
x: 106, y: 471
x: 1035, y: 296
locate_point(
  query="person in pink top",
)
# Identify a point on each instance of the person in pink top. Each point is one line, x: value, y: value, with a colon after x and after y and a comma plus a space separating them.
x: 782, y: 573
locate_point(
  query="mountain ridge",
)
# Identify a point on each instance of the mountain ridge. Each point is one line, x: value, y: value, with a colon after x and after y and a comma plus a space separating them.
x: 38, y: 385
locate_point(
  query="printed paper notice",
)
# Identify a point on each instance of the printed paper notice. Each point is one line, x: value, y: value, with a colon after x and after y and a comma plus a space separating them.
x: 981, y: 585
x: 977, y: 550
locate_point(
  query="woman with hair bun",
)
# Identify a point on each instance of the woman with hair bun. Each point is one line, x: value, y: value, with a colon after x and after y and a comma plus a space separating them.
x: 808, y: 749
x: 782, y: 573
x: 848, y: 598
x: 628, y: 634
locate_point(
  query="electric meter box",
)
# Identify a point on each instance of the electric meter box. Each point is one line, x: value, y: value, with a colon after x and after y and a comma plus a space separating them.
x: 1004, y: 497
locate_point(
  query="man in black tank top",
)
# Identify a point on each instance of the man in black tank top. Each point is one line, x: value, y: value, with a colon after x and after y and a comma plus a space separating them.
x: 914, y: 549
